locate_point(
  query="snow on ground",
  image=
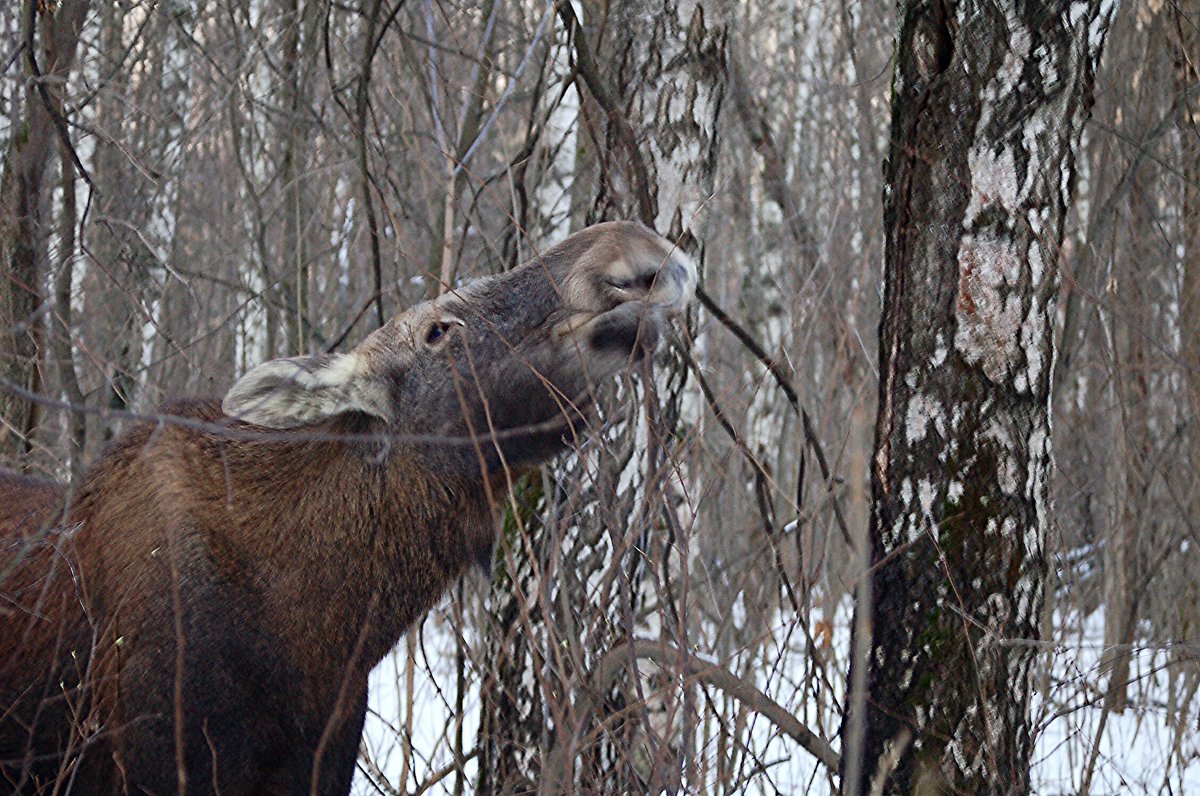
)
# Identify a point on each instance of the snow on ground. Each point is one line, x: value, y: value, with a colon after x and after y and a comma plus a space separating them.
x: 433, y: 726
x: 1143, y: 750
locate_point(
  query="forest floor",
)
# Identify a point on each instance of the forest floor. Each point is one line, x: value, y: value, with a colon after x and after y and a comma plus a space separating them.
x: 1153, y: 747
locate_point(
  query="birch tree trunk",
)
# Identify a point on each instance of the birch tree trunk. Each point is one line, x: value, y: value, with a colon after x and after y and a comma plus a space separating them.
x: 301, y: 23
x: 988, y: 103
x: 658, y: 88
x: 143, y: 113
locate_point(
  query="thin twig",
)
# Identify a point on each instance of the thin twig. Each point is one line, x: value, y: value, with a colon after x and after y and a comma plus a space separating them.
x: 776, y: 370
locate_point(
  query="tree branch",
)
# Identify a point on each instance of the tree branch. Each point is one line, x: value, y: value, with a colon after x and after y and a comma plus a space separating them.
x: 776, y: 370
x: 774, y: 173
x: 590, y: 73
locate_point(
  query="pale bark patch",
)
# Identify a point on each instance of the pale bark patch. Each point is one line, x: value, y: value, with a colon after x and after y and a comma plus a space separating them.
x: 988, y: 309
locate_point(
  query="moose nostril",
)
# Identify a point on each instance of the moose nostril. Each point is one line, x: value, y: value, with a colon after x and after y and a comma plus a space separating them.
x: 677, y: 281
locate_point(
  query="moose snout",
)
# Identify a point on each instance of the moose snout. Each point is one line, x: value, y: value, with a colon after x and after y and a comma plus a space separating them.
x: 675, y: 283
x: 635, y: 327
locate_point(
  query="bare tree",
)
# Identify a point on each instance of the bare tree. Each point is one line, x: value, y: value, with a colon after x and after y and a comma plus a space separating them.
x: 50, y: 36
x: 274, y: 176
x: 979, y: 180
x: 1186, y: 27
x: 652, y: 114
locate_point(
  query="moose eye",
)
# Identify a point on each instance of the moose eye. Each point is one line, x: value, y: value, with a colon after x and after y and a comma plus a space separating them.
x: 437, y: 332
x: 641, y: 282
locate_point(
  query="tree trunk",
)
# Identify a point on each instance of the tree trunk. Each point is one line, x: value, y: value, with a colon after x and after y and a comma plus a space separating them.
x: 47, y: 62
x: 1131, y: 455
x: 1186, y: 26
x: 120, y: 261
x: 659, y: 95
x: 988, y: 103
x: 298, y: 67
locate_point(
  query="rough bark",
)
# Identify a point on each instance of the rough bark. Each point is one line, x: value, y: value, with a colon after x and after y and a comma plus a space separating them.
x: 988, y: 104
x: 1186, y: 26
x: 301, y: 22
x: 120, y: 261
x: 49, y: 38
x: 1132, y: 451
x: 61, y: 339
x: 513, y: 731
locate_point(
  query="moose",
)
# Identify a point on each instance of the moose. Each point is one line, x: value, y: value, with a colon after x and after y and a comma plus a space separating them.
x: 200, y: 611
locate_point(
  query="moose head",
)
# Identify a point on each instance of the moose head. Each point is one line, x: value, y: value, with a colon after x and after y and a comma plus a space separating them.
x: 512, y: 358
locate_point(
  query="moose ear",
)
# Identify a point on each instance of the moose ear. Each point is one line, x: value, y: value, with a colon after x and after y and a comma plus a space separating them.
x: 285, y: 393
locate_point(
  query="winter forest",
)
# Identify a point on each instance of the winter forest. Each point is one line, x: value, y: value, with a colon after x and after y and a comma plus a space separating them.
x: 906, y: 501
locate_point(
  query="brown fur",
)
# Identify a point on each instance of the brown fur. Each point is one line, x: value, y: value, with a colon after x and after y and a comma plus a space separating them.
x: 204, y: 607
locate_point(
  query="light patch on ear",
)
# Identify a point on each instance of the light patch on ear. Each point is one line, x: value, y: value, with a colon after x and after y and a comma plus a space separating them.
x: 286, y: 393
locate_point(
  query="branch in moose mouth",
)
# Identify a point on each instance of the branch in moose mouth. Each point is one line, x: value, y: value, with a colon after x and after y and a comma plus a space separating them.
x: 631, y: 329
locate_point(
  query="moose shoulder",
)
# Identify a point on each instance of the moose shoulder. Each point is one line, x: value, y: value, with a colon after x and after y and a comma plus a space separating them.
x: 204, y: 606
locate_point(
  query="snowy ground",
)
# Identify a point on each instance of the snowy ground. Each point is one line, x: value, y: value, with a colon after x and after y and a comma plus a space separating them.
x: 433, y: 724
x: 1143, y: 750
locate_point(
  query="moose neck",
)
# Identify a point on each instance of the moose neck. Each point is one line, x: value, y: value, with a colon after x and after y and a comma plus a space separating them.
x: 340, y: 544
x: 332, y: 545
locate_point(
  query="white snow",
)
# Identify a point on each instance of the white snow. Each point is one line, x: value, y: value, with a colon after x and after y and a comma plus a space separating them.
x: 1148, y: 749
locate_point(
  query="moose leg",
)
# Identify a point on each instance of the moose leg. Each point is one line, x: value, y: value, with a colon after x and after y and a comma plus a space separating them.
x: 330, y: 768
x: 192, y: 696
x: 204, y: 736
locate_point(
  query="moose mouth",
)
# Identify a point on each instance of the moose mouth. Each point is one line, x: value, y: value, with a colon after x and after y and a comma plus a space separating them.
x: 632, y: 329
